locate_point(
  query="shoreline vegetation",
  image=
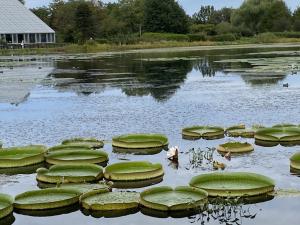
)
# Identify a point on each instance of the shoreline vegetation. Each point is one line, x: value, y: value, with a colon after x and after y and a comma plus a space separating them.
x: 94, y: 47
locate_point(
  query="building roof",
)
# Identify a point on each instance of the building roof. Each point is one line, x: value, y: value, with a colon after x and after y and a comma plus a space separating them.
x: 16, y: 18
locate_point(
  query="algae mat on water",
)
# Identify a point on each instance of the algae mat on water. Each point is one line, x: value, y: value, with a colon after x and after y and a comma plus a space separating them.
x: 104, y: 200
x: 169, y: 199
x: 205, y: 132
x: 70, y: 173
x: 234, y: 184
x: 6, y: 205
x: 77, y: 157
x: 140, y: 141
x: 46, y: 199
x: 133, y: 171
x: 22, y: 156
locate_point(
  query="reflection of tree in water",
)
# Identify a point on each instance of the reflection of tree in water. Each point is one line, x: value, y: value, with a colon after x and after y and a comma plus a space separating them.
x: 205, y: 67
x: 230, y: 212
x: 159, y: 79
x: 262, y: 79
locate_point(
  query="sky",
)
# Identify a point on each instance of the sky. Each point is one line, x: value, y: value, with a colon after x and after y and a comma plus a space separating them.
x: 190, y: 6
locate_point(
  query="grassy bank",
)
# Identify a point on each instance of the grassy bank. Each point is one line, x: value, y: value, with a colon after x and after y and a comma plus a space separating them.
x: 96, y: 47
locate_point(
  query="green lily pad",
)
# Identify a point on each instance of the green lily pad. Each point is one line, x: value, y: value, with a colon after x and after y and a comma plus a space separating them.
x: 242, y: 131
x: 136, y: 151
x: 49, y: 212
x: 136, y: 183
x: 70, y: 147
x: 235, y: 184
x: 22, y: 156
x: 284, y: 125
x: 295, y: 161
x: 76, y: 157
x: 140, y: 141
x: 235, y: 147
x: 80, y: 173
x: 278, y: 134
x: 6, y: 205
x: 104, y: 200
x: 133, y: 171
x: 22, y: 170
x: 169, y: 199
x: 205, y: 132
x: 45, y: 199
x: 92, y: 142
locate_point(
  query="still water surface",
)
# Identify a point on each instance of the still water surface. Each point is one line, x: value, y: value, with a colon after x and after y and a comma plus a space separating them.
x: 104, y: 96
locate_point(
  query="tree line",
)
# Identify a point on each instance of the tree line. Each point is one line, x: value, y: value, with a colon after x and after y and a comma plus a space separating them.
x: 78, y: 21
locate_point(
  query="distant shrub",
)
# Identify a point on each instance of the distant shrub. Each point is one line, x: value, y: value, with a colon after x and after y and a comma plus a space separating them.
x: 224, y: 28
x: 209, y: 29
x: 124, y: 39
x: 266, y: 38
x: 224, y: 37
x: 91, y: 42
x: 151, y: 37
x: 197, y: 37
x: 288, y: 34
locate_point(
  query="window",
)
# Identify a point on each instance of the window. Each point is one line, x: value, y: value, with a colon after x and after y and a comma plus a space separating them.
x: 32, y: 38
x: 8, y: 38
x: 20, y: 38
x: 43, y: 38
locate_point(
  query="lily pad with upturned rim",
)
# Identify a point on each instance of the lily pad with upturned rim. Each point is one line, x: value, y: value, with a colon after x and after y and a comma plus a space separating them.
x: 133, y: 171
x: 6, y: 205
x: 205, y: 132
x: 140, y: 141
x: 295, y: 162
x: 235, y: 147
x: 22, y: 156
x: 71, y: 147
x: 234, y: 184
x: 77, y: 157
x: 104, y: 200
x: 80, y: 173
x: 82, y: 187
x: 138, y: 151
x: 92, y: 142
x: 278, y: 134
x: 169, y: 199
x: 45, y: 199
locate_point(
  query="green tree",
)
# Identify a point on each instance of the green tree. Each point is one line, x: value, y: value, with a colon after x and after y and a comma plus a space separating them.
x: 262, y: 16
x: 84, y: 22
x: 203, y: 16
x: 22, y: 1
x: 43, y: 13
x: 296, y: 20
x: 221, y: 16
x: 165, y: 16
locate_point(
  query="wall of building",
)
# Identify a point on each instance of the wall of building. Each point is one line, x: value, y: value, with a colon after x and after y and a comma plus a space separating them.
x: 29, y: 38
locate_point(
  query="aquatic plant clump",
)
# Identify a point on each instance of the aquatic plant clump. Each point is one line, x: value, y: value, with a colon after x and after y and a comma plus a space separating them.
x: 80, y: 173
x: 6, y: 205
x: 206, y: 132
x: 76, y: 157
x: 104, y: 200
x: 234, y: 184
x: 45, y: 199
x: 169, y: 199
x: 278, y: 134
x: 22, y: 156
x: 133, y: 171
x: 92, y: 142
x: 235, y: 147
x: 295, y: 161
x: 140, y: 141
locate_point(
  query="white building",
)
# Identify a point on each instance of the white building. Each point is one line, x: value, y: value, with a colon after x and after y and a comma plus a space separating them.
x: 18, y: 24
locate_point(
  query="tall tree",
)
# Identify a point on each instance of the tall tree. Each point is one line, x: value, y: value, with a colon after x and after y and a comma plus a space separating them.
x: 296, y: 19
x: 43, y: 13
x: 203, y: 16
x: 165, y: 16
x: 84, y: 22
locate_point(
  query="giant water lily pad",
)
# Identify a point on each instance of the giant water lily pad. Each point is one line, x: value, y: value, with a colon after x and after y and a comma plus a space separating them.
x: 70, y: 147
x: 46, y: 199
x: 22, y: 156
x: 295, y: 162
x: 133, y: 171
x: 233, y: 184
x: 104, y: 200
x: 278, y: 134
x: 6, y: 205
x: 140, y: 141
x: 169, y: 199
x: 70, y: 173
x: 77, y: 157
x: 81, y: 187
x: 235, y: 147
x: 138, y: 151
x: 206, y: 132
x: 92, y: 142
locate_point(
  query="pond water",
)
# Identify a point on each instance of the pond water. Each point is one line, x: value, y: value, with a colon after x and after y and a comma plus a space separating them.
x: 112, y: 94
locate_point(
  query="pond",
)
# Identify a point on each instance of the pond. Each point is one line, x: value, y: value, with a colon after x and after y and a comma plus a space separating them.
x: 104, y: 95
